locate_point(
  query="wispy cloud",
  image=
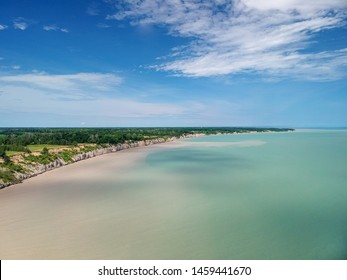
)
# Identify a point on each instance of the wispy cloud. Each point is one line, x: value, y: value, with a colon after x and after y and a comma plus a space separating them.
x: 93, y: 9
x: 307, y: 6
x: 35, y: 100
x: 103, y: 25
x: 3, y: 27
x: 245, y: 36
x: 80, y: 82
x: 87, y: 95
x: 21, y: 23
x: 54, y: 28
x: 50, y: 28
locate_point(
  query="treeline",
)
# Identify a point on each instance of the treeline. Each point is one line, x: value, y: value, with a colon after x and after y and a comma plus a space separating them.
x: 16, y: 139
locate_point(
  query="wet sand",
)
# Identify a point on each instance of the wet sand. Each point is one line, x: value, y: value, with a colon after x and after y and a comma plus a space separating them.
x: 58, y: 214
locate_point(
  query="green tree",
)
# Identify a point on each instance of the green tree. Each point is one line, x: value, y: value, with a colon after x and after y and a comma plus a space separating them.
x: 2, y: 151
x: 45, y: 151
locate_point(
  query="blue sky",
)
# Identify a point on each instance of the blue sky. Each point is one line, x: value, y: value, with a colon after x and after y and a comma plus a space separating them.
x: 173, y: 63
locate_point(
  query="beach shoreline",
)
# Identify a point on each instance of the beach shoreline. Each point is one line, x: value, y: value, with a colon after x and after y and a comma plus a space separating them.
x: 43, y: 168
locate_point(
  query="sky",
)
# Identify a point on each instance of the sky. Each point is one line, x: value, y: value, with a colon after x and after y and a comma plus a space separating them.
x: 108, y: 63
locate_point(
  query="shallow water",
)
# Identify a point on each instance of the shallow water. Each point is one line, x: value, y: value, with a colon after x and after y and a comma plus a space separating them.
x: 249, y: 196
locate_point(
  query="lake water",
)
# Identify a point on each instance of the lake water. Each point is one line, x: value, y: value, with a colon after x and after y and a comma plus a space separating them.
x: 247, y: 196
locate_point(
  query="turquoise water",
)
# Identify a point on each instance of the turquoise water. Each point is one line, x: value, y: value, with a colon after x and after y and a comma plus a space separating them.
x: 283, y: 198
x: 249, y: 196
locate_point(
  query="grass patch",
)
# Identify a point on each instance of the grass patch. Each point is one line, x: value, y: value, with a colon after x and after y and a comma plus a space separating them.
x: 39, y: 147
x: 7, y: 177
x: 7, y: 171
x: 43, y: 159
x: 87, y: 149
x: 13, y: 153
x: 12, y: 167
x: 67, y: 155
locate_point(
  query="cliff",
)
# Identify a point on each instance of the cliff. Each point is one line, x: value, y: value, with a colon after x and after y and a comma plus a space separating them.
x: 32, y: 170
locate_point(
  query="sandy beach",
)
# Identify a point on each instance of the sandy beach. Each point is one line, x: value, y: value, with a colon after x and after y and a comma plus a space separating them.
x: 44, y: 215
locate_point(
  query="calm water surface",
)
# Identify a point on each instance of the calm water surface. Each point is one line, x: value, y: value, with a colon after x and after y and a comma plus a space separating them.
x: 250, y: 196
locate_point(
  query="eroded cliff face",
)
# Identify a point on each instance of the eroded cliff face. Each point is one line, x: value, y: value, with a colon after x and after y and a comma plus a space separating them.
x: 34, y: 170
x: 116, y: 148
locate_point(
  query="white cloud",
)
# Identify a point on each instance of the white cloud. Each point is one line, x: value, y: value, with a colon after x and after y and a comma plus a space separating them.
x: 50, y: 28
x: 307, y: 5
x: 79, y: 82
x: 54, y: 28
x: 20, y: 23
x: 257, y: 36
x: 3, y: 26
x: 103, y: 25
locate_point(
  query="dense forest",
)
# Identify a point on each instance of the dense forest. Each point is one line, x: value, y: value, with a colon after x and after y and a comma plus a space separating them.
x: 16, y: 139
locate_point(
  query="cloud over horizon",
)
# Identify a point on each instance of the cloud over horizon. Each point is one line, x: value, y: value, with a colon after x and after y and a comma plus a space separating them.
x: 64, y: 83
x: 271, y: 38
x: 87, y: 95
